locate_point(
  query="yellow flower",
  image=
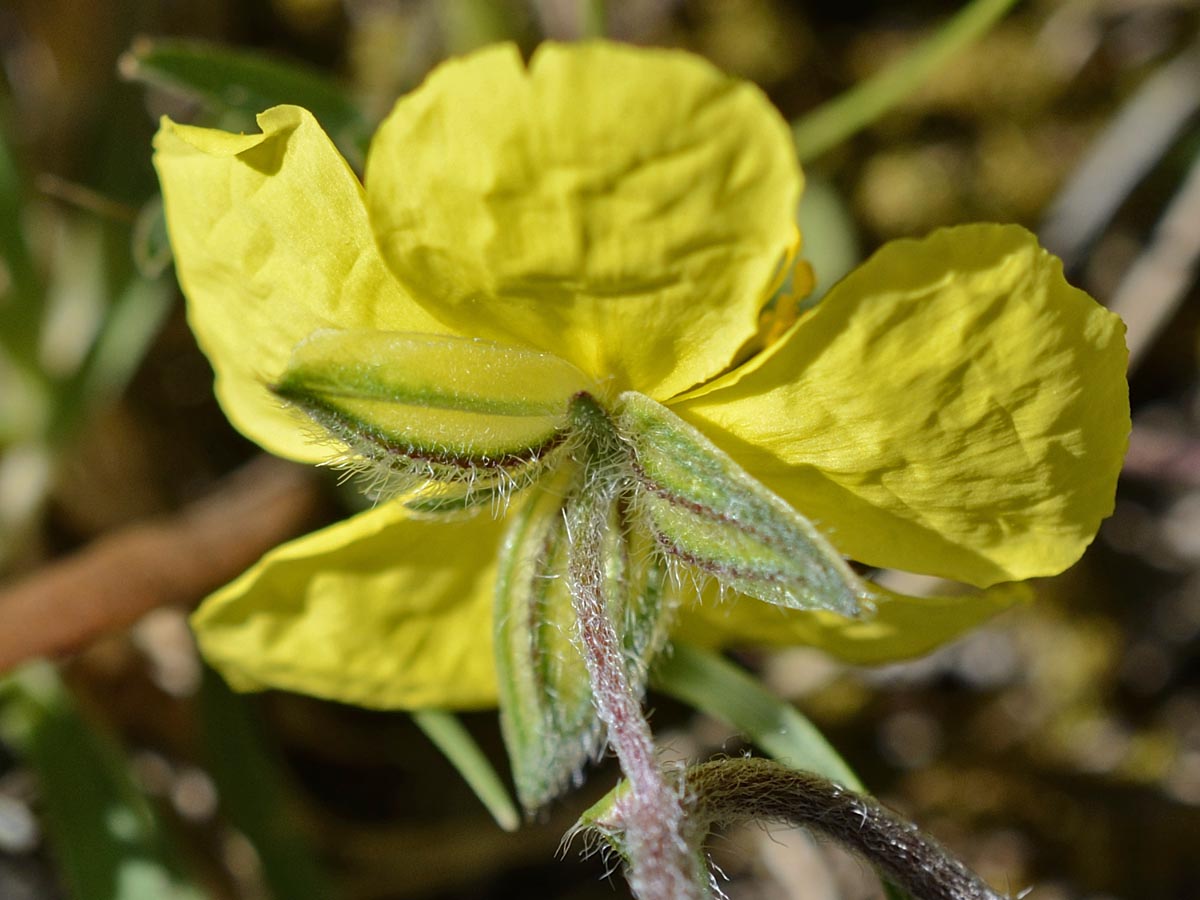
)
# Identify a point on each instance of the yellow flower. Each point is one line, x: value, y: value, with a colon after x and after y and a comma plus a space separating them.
x: 617, y: 217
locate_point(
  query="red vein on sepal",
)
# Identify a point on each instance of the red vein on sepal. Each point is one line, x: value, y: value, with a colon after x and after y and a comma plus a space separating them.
x: 349, y: 429
x: 656, y: 488
x: 712, y: 566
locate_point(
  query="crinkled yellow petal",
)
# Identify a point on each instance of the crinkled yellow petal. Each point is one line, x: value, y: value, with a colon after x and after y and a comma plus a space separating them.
x: 902, y: 627
x: 271, y: 243
x: 623, y: 208
x: 952, y: 407
x: 379, y: 610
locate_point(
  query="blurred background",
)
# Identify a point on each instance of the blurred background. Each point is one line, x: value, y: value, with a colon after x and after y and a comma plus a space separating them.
x: 1058, y: 748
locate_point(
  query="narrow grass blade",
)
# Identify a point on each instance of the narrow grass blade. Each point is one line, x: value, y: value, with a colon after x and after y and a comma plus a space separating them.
x: 467, y: 25
x: 837, y: 120
x: 705, y: 680
x: 594, y: 18
x: 253, y: 792
x: 449, y: 735
x: 20, y: 293
x: 130, y: 324
x: 150, y: 243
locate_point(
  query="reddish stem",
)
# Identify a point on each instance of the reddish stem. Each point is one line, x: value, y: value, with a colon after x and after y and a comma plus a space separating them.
x: 661, y: 865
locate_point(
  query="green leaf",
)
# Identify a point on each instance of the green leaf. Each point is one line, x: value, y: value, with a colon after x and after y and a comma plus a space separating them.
x: 456, y: 743
x: 245, y: 84
x: 840, y: 118
x: 106, y: 839
x: 708, y: 514
x: 254, y: 793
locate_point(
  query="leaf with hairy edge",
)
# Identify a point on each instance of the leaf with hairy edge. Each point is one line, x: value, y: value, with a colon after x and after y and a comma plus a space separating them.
x: 707, y: 513
x: 546, y: 709
x: 447, y: 422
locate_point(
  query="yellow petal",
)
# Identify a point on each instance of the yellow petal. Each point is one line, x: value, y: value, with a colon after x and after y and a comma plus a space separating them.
x: 271, y: 243
x: 952, y: 407
x: 378, y: 610
x: 902, y: 627
x: 623, y: 208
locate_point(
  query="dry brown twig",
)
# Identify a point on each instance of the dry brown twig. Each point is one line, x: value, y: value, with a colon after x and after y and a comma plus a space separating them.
x: 171, y: 560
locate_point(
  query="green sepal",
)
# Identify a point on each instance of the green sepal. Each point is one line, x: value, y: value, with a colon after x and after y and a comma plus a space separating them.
x: 709, y: 515
x: 444, y: 422
x: 547, y: 713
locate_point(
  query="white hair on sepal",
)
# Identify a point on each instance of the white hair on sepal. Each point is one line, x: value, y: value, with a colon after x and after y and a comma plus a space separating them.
x: 594, y: 842
x: 433, y: 481
x: 689, y: 579
x: 681, y: 576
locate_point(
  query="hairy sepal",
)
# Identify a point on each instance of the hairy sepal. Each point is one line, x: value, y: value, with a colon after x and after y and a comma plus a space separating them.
x: 707, y: 514
x: 446, y: 423
x: 547, y: 711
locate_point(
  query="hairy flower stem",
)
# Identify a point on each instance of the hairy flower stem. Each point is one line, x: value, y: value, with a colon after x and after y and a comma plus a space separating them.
x: 661, y: 865
x: 731, y: 790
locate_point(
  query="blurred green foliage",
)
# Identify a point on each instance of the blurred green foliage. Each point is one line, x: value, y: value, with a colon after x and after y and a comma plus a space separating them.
x: 108, y: 841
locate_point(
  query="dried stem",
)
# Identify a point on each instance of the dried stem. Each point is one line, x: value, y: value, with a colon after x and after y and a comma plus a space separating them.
x: 169, y: 560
